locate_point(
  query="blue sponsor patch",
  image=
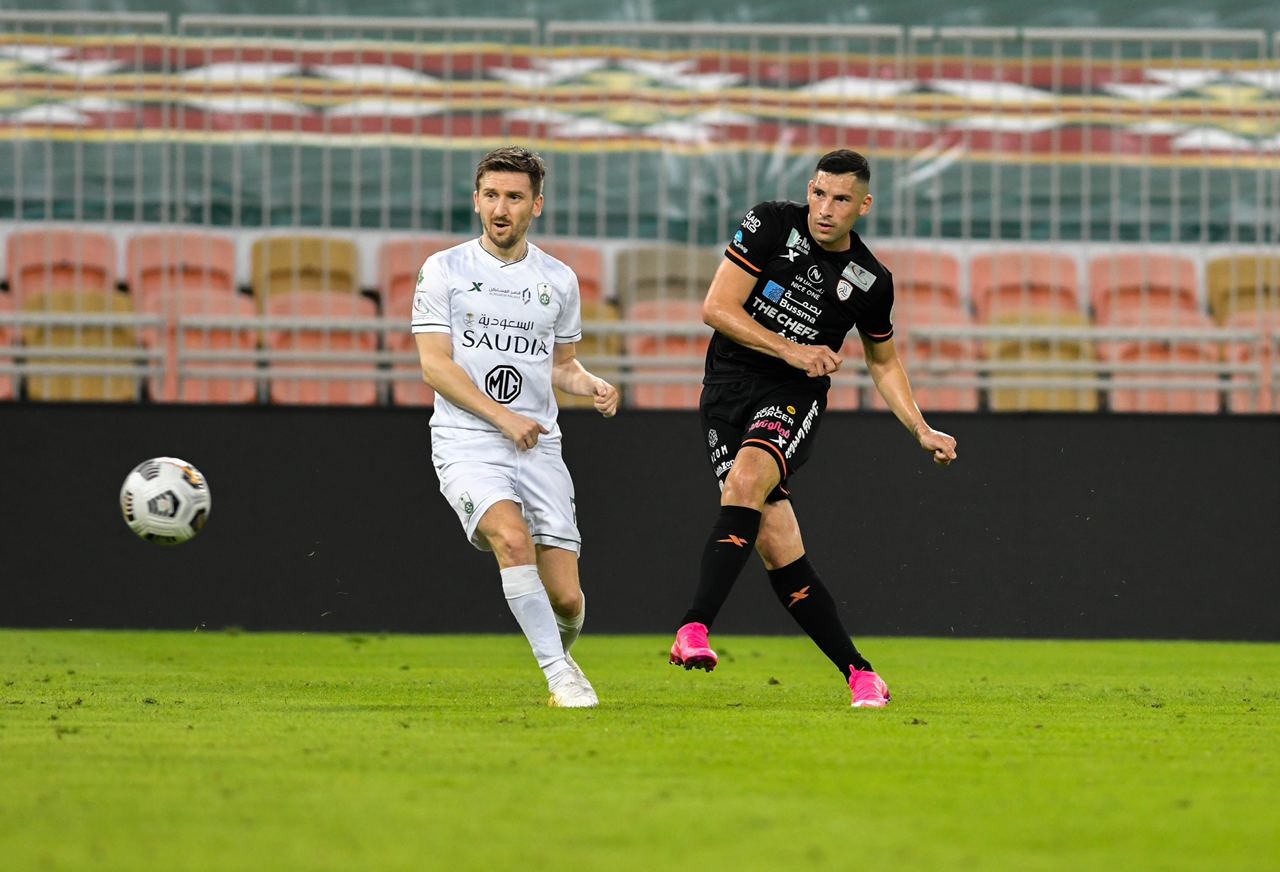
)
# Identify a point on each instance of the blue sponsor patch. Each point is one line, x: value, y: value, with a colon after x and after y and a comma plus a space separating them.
x: 737, y: 237
x: 774, y: 291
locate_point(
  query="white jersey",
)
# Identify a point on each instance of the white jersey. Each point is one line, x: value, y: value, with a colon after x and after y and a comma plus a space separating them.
x: 505, y: 320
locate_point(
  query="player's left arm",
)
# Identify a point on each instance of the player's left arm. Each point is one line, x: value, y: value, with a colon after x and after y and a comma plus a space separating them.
x: 569, y: 375
x: 890, y: 377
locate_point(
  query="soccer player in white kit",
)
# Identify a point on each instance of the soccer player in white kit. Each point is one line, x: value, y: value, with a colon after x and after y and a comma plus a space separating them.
x: 496, y: 320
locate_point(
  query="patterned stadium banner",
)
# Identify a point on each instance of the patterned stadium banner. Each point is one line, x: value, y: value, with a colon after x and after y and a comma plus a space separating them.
x: 653, y: 131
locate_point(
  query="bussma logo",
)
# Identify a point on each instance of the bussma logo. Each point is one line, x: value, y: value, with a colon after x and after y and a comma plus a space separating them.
x: 503, y: 383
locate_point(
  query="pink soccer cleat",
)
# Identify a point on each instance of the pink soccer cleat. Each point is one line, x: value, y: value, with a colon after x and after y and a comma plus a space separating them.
x: 691, y: 649
x: 869, y: 689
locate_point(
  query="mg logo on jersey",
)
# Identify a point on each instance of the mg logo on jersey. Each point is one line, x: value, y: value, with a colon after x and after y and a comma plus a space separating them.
x: 503, y: 383
x: 796, y: 241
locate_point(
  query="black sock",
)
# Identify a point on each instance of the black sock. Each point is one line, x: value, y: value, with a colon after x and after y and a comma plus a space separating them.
x: 807, y: 599
x: 730, y: 544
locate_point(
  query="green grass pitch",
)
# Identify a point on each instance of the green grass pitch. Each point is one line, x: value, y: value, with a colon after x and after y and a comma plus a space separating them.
x: 268, y: 751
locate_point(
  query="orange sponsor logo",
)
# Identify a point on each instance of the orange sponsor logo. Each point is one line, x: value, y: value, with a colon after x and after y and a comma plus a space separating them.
x: 802, y: 593
x: 734, y: 540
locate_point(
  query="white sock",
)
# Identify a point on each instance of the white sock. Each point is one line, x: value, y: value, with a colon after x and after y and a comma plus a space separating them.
x: 527, y: 599
x: 571, y: 627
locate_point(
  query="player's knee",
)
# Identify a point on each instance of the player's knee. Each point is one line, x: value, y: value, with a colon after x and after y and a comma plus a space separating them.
x: 566, y: 602
x: 510, y: 544
x: 749, y: 484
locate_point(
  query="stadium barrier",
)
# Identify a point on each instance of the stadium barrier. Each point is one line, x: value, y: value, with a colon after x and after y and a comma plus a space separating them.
x: 329, y: 519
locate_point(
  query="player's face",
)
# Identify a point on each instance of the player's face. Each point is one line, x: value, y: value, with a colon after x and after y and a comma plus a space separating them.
x: 836, y: 202
x: 507, y: 206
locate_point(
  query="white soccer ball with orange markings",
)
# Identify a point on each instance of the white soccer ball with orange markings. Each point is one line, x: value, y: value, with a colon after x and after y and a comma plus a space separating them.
x: 165, y: 500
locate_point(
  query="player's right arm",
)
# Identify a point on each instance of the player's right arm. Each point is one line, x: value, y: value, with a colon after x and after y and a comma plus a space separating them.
x: 435, y: 353
x: 725, y: 310
x: 432, y: 330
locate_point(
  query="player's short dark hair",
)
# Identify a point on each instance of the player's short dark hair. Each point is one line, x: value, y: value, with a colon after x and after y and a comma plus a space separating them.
x: 513, y: 159
x: 842, y: 161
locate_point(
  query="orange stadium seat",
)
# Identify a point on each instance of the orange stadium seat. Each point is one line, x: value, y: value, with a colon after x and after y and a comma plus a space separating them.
x: 586, y: 261
x: 1259, y: 355
x: 398, y: 264
x: 1007, y: 285
x: 183, y: 381
x: 648, y: 353
x: 1242, y: 282
x: 284, y: 264
x: 161, y: 266
x: 7, y: 381
x: 59, y: 261
x: 81, y: 340
x: 600, y: 351
x: 926, y: 277
x: 1160, y: 349
x: 324, y: 332
x: 1141, y: 281
x: 664, y: 272
x: 183, y: 275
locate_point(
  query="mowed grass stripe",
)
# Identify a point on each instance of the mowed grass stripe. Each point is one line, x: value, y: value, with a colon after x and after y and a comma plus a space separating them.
x: 257, y: 751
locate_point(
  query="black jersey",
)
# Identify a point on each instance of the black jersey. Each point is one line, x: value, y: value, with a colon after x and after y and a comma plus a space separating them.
x: 803, y: 292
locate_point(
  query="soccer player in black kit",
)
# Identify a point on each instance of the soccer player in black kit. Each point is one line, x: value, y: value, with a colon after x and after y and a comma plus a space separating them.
x: 795, y: 279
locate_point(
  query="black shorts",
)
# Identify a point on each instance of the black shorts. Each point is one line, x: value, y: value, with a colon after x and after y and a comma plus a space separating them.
x: 778, y: 417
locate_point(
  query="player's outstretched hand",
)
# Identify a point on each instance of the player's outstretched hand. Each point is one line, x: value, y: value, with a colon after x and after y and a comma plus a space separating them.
x: 522, y: 431
x: 606, y: 398
x: 941, y: 444
x: 815, y: 360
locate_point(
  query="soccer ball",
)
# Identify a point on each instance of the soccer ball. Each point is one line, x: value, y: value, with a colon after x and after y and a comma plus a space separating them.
x: 165, y: 500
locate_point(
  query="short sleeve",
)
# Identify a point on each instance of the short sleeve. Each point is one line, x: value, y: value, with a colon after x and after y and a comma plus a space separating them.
x: 756, y: 238
x: 876, y: 322
x: 569, y: 321
x: 431, y: 299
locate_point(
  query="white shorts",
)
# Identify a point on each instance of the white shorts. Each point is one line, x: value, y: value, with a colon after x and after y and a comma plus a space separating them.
x: 478, y: 468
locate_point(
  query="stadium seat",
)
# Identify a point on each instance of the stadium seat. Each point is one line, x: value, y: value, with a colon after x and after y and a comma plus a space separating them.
x: 326, y: 331
x: 284, y: 264
x: 666, y: 355
x: 183, y: 381
x: 1124, y: 282
x: 63, y: 261
x: 82, y: 339
x: 846, y: 393
x: 664, y: 272
x: 398, y: 264
x: 1242, y: 282
x: 1007, y: 285
x: 160, y: 265
x: 594, y: 344
x: 7, y: 381
x: 927, y: 278
x: 185, y: 275
x: 586, y: 261
x: 1010, y: 397
x: 1259, y: 355
x: 1156, y: 351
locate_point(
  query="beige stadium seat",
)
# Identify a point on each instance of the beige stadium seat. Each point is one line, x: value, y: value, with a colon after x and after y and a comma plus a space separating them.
x: 1039, y: 398
x: 285, y: 264
x: 324, y: 333
x: 81, y: 338
x: 1243, y: 282
x: 659, y: 346
x: 664, y: 272
x: 1025, y: 286
x: 62, y: 261
x: 7, y: 381
x: 1121, y: 283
